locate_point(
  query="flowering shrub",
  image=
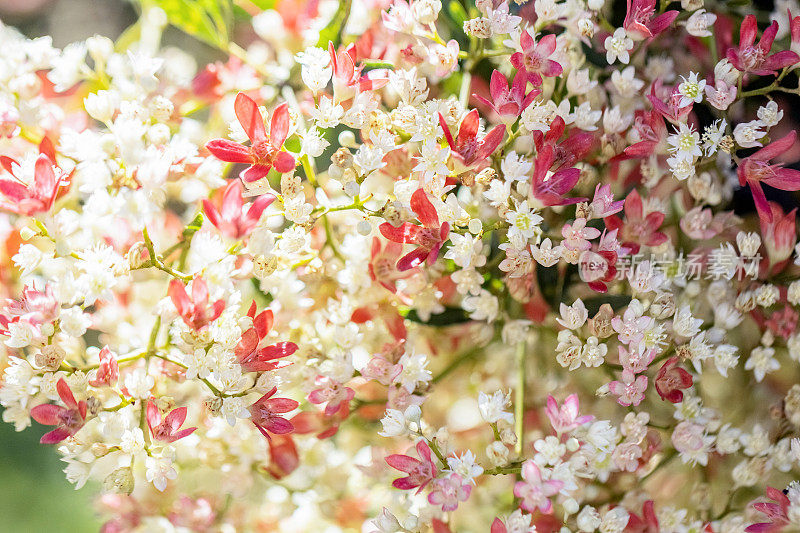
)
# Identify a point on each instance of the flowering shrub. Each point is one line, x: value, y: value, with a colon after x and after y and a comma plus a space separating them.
x: 411, y: 267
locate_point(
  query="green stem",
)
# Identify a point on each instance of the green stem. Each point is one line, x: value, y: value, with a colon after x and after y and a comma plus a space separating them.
x: 519, y: 398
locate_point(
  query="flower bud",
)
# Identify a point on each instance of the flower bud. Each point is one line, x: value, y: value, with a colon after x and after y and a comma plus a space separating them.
x: 120, y: 481
x: 342, y: 158
x: 264, y: 266
x: 27, y: 233
x: 508, y: 437
x: 213, y: 404
x: 663, y: 306
x: 137, y: 255
x: 99, y: 449
x: 600, y: 325
x: 50, y: 357
x: 745, y: 302
x: 485, y: 176
x: 364, y: 227
x: 93, y: 405
x: 352, y: 188
x: 348, y: 139
x: 426, y: 11
x: 497, y: 453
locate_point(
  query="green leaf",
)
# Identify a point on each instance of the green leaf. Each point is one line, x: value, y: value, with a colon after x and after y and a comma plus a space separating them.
x: 206, y: 20
x: 194, y: 226
x: 333, y: 32
x: 131, y: 35
x: 457, y: 12
x: 293, y: 144
x: 616, y: 301
x: 450, y: 316
x: 264, y: 4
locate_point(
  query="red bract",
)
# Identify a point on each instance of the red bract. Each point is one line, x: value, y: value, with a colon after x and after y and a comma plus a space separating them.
x: 108, y: 371
x: 637, y: 229
x: 265, y: 414
x: 776, y: 513
x: 652, y: 134
x: 671, y: 109
x: 647, y: 523
x: 69, y: 419
x: 597, y: 268
x: 168, y: 429
x: 779, y: 234
x: 427, y: 238
x: 282, y: 455
x: 783, y: 323
x: 639, y: 21
x: 28, y: 198
x: 755, y: 170
x: 347, y: 78
x: 264, y: 151
x: 671, y: 379
x: 467, y: 150
x: 194, y: 311
x: 549, y: 189
x: 383, y: 264
x: 420, y: 472
x: 534, y: 58
x: 567, y: 152
x: 331, y: 392
x: 256, y: 358
x: 509, y: 102
x: 755, y: 58
x: 230, y: 218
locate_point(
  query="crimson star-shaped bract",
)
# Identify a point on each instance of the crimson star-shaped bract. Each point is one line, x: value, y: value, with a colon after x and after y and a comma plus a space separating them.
x: 68, y: 418
x: 756, y: 169
x: 264, y: 151
x: 428, y: 238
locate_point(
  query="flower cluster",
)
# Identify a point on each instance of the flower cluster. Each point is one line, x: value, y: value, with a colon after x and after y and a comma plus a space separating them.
x: 385, y: 269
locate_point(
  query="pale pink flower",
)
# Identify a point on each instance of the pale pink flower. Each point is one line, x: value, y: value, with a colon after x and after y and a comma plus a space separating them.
x: 629, y: 391
x: 535, y: 492
x: 565, y: 418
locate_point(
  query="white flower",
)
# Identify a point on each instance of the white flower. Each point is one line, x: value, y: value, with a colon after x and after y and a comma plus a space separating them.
x: 484, y: 306
x: 327, y: 114
x: 625, y: 82
x: 398, y: 423
x: 770, y: 114
x: 685, y: 143
x: 546, y: 254
x: 684, y: 324
x: 493, y: 407
x: 691, y: 90
x: 316, y: 70
x: 233, y: 408
x: 465, y: 466
x: 466, y: 250
x: 139, y: 383
x: 132, y: 441
x: 524, y: 224
x: 747, y: 134
x: 762, y: 361
x: 698, y: 24
x: 516, y: 167
x: 586, y: 118
x: 618, y: 46
x: 414, y: 371
x: 573, y: 316
x: 158, y: 471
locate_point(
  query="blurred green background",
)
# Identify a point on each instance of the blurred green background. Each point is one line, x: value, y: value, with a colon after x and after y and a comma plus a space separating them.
x: 34, y: 495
